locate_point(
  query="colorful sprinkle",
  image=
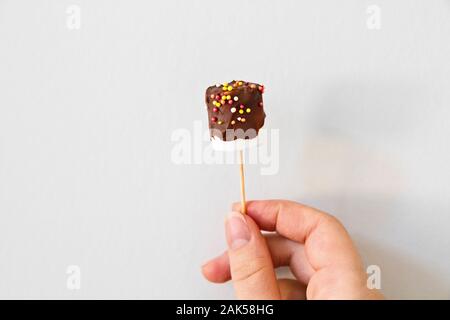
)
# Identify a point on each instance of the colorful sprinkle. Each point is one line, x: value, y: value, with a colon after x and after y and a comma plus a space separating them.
x: 240, y: 83
x: 239, y: 118
x: 241, y: 111
x: 220, y: 122
x: 214, y: 119
x: 253, y: 86
x: 261, y: 88
x: 248, y: 110
x: 236, y: 98
x: 241, y: 106
x: 233, y: 122
x: 233, y: 110
x: 230, y: 88
x: 242, y: 119
x: 215, y: 109
x: 228, y: 97
x: 230, y: 102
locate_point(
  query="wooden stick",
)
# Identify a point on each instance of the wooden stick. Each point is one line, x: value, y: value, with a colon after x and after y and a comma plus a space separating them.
x: 241, y: 167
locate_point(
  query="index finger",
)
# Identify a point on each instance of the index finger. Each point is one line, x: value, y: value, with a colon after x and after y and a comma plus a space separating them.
x: 326, y: 241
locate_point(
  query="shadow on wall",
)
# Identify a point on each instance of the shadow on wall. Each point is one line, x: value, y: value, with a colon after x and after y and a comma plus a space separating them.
x: 352, y: 165
x: 357, y: 137
x: 374, y: 223
x: 403, y: 276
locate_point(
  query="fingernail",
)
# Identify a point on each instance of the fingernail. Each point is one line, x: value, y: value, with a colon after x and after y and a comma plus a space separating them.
x: 206, y: 263
x: 204, y: 266
x: 237, y: 231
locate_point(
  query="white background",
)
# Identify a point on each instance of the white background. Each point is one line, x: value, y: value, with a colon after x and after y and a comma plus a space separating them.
x: 86, y: 118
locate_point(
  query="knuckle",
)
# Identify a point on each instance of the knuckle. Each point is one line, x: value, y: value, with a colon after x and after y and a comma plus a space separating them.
x: 247, y: 270
x: 331, y: 220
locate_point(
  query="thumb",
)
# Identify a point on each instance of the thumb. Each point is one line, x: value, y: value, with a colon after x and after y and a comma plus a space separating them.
x: 251, y: 265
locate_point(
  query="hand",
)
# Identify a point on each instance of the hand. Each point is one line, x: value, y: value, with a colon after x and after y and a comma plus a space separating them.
x: 315, y: 246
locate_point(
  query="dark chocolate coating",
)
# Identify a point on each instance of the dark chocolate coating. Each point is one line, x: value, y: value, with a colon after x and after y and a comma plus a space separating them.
x: 228, y: 125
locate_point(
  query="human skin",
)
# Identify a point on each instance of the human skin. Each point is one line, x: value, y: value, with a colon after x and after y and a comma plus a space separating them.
x: 314, y: 244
